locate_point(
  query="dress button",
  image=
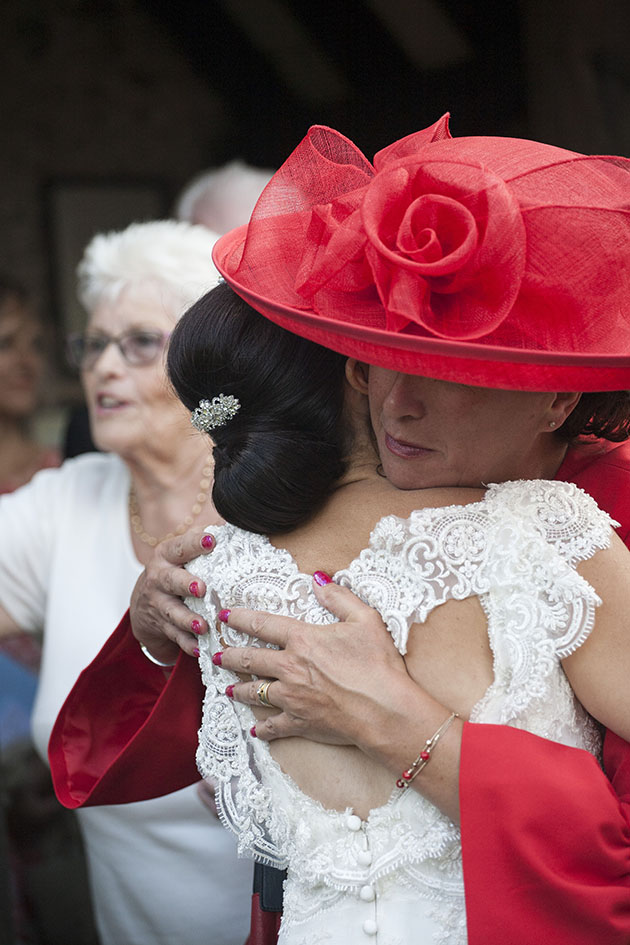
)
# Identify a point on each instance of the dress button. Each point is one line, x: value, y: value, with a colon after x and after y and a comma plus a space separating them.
x: 353, y: 822
x: 370, y: 927
x: 367, y: 893
x: 364, y: 857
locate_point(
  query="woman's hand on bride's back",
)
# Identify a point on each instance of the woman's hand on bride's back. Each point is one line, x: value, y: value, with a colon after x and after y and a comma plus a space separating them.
x: 159, y: 618
x: 330, y: 682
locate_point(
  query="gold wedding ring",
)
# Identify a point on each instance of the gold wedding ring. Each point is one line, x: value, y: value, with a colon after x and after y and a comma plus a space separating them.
x: 261, y: 693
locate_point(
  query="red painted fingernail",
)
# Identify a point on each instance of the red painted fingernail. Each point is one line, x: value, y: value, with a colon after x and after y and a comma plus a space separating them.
x: 207, y: 541
x: 193, y: 587
x: 217, y: 658
x: 252, y: 732
x: 196, y: 651
x: 321, y: 578
x: 223, y: 615
x: 196, y: 626
x: 229, y: 691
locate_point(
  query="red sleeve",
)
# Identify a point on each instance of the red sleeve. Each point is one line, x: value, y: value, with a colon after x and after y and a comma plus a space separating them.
x: 617, y: 765
x: 126, y: 733
x: 545, y: 840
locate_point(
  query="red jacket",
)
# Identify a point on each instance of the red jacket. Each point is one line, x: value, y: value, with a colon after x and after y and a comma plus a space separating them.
x: 545, y: 835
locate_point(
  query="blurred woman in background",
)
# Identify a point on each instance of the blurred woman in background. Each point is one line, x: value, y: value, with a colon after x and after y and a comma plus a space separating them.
x: 75, y: 540
x: 22, y: 367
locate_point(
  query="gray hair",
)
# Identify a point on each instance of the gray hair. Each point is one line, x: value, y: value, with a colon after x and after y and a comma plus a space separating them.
x: 223, y: 198
x: 172, y: 255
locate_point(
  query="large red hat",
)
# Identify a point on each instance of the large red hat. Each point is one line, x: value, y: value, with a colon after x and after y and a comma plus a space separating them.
x: 496, y: 262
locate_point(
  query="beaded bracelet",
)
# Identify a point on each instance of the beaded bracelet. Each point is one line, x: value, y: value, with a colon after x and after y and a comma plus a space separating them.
x: 157, y: 662
x: 425, y: 755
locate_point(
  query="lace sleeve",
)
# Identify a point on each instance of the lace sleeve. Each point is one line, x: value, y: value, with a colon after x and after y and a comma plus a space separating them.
x: 415, y: 564
x: 520, y: 542
x: 566, y: 516
x: 542, y: 530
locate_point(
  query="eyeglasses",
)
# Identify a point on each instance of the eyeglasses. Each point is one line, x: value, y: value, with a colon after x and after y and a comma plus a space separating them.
x: 137, y: 347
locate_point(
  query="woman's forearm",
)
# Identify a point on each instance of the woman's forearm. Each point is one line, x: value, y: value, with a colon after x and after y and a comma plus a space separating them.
x: 394, y: 732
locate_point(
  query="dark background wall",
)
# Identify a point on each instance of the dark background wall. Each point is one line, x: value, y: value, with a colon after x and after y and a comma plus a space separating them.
x: 109, y: 106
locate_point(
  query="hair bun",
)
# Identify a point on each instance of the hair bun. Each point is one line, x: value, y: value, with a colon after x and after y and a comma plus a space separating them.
x: 279, y: 458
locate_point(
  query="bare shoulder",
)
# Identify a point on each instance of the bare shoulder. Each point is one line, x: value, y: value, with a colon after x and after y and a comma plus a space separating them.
x: 599, y: 669
x: 608, y: 568
x: 404, y: 502
x: 365, y: 505
x: 340, y: 530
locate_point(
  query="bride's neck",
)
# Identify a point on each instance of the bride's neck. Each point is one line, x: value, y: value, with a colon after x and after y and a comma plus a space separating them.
x: 362, y: 460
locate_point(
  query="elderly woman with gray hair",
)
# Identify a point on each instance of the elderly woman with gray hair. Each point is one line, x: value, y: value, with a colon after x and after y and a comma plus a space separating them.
x: 75, y: 540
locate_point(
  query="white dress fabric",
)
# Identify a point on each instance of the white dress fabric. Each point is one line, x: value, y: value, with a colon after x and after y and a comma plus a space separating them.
x: 396, y: 877
x: 67, y: 567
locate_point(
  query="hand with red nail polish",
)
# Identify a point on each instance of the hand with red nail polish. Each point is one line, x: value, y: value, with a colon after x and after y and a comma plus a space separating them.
x: 160, y: 618
x: 318, y: 672
x: 321, y: 578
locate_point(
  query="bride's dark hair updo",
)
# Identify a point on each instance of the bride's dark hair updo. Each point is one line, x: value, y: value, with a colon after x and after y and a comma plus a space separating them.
x: 280, y: 456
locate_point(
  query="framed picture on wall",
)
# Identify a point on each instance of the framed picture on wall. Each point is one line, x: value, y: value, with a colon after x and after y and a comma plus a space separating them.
x: 75, y: 211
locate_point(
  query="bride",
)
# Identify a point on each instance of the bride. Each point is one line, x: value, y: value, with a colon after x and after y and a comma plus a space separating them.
x: 486, y: 592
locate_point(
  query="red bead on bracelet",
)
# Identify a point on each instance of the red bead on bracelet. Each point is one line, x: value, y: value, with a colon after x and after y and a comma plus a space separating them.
x: 424, y: 757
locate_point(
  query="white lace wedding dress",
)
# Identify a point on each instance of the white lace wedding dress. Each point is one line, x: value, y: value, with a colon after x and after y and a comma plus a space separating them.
x: 396, y: 877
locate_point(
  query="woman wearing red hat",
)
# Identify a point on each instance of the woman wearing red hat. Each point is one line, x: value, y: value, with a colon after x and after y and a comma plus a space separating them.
x: 489, y: 263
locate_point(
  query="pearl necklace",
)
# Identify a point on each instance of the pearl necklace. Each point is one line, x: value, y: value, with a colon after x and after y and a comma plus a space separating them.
x: 136, y: 520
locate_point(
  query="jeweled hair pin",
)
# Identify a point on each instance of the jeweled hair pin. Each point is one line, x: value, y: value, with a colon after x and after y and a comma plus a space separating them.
x: 214, y: 413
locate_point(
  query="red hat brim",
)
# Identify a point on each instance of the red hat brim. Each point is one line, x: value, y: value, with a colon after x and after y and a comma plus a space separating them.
x: 493, y: 262
x: 462, y: 362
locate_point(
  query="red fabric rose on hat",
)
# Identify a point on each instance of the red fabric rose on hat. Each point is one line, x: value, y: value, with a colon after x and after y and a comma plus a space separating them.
x: 497, y: 262
x: 446, y: 246
x: 430, y: 239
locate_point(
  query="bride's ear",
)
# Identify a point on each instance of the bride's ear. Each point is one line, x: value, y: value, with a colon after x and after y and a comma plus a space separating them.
x: 357, y: 373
